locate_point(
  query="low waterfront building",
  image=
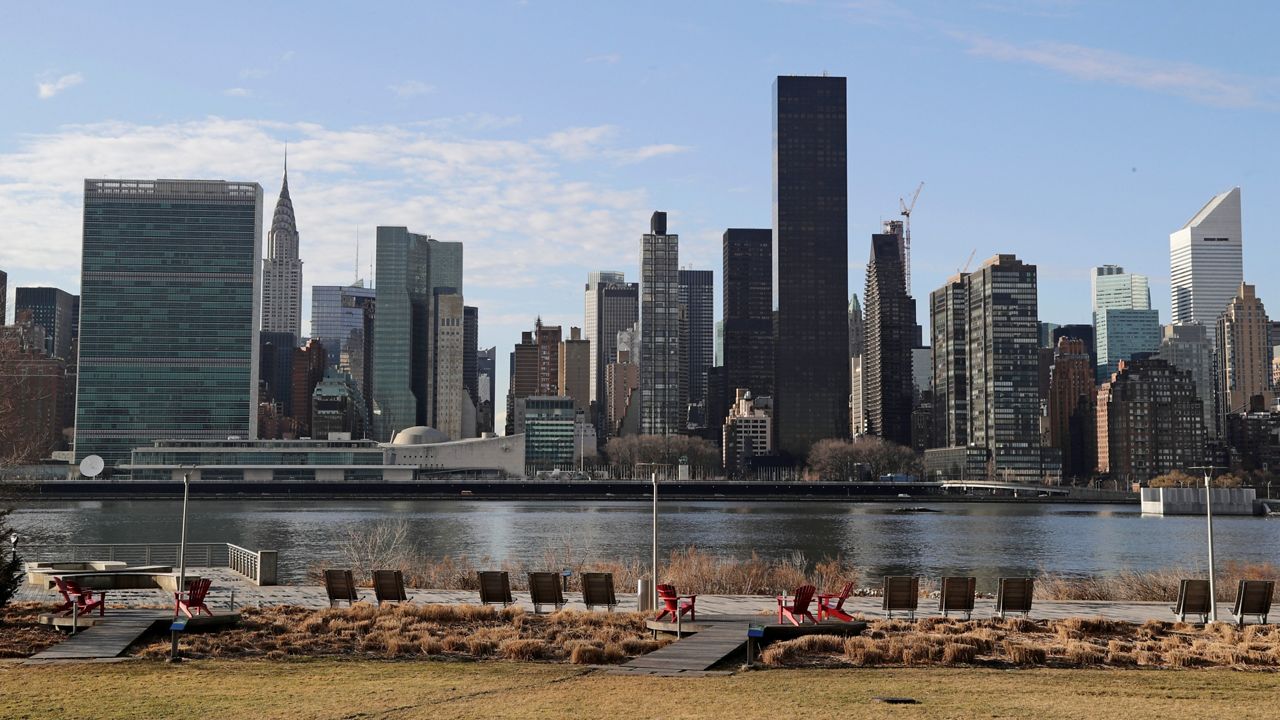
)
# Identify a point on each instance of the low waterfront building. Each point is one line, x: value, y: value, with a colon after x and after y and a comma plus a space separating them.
x: 957, y: 464
x: 416, y: 453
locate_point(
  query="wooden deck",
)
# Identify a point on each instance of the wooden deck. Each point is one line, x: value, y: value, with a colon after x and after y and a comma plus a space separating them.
x: 111, y: 635
x: 708, y: 643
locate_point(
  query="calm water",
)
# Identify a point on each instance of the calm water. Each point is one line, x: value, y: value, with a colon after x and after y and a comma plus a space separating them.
x: 986, y: 540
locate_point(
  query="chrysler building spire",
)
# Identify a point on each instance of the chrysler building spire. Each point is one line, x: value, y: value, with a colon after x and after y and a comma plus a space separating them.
x: 282, y: 270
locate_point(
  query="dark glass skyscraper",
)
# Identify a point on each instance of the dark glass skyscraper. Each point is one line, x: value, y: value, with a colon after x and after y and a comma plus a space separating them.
x: 338, y: 316
x: 470, y: 344
x: 748, y: 310
x: 890, y: 323
x: 698, y: 299
x: 51, y: 309
x: 811, y: 262
x: 170, y: 290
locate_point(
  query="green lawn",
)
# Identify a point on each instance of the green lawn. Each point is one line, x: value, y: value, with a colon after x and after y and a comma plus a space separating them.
x: 426, y: 689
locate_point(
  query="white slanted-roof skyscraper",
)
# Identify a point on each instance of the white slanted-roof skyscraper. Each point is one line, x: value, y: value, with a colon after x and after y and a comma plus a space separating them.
x: 1207, y: 262
x: 281, y: 269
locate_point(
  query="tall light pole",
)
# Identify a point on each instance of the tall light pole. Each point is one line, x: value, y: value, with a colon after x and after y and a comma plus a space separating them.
x: 653, y: 476
x: 182, y: 564
x: 1208, y: 513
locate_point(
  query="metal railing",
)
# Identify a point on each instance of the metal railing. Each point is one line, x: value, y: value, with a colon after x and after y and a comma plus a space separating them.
x: 258, y: 566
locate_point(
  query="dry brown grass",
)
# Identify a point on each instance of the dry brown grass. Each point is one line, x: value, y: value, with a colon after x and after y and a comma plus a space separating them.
x: 412, y: 631
x: 1074, y: 642
x: 20, y: 633
x: 691, y: 570
x: 1149, y: 585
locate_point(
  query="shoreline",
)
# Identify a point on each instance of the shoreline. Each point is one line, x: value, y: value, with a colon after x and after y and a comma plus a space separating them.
x: 602, y: 490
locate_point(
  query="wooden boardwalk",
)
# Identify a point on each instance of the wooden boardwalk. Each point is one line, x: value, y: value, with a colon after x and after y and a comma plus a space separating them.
x: 109, y: 638
x: 692, y: 655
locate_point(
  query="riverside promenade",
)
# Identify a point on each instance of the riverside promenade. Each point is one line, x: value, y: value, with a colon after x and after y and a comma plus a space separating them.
x: 232, y: 592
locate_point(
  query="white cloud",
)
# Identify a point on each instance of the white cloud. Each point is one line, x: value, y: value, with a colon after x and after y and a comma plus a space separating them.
x: 606, y: 58
x: 46, y: 89
x: 237, y: 92
x: 411, y: 88
x: 1182, y: 79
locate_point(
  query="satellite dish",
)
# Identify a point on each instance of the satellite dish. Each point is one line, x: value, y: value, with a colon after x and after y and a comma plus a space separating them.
x: 91, y: 466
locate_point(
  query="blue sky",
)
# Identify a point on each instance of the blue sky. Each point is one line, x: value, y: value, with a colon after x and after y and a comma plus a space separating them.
x: 543, y: 134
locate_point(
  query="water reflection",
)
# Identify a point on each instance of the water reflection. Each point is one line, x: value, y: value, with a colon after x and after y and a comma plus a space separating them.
x: 982, y: 539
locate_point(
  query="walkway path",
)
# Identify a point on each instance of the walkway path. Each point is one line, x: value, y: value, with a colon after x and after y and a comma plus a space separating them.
x: 248, y: 595
x: 693, y: 654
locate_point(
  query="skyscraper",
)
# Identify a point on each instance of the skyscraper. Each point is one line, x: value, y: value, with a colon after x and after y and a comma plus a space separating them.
x: 51, y: 309
x: 1124, y: 323
x: 573, y: 369
x: 337, y: 316
x: 446, y: 392
x: 470, y: 348
x: 1003, y: 366
x: 949, y: 319
x: 486, y: 380
x: 411, y: 268
x: 170, y: 287
x: 1148, y: 421
x: 548, y: 338
x: 4, y: 295
x: 697, y: 297
x: 613, y: 305
x: 523, y: 379
x: 281, y: 269
x: 1071, y: 413
x: 1244, y: 356
x: 747, y: 291
x: 660, y: 369
x: 1206, y: 262
x: 855, y: 326
x: 811, y: 263
x: 890, y: 329
x: 1187, y: 348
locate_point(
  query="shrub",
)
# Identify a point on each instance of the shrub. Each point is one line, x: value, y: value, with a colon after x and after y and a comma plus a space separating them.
x: 956, y: 653
x: 525, y: 649
x: 1083, y: 654
x: 583, y: 654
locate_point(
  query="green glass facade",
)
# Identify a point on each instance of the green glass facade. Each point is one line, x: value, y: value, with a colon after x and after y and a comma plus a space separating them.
x: 170, y: 293
x: 411, y: 268
x: 548, y: 431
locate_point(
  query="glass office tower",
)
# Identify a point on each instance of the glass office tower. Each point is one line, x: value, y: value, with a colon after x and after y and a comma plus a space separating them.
x: 169, y: 311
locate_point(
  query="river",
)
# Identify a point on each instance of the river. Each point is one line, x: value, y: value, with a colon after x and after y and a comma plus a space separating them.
x: 982, y: 539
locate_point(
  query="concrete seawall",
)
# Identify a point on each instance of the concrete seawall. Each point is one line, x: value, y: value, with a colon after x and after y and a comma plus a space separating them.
x: 1190, y: 501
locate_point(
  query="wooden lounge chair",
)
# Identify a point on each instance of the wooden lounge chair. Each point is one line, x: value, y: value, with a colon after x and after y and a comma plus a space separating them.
x: 597, y: 589
x: 1193, y: 599
x: 495, y: 587
x: 901, y: 594
x: 832, y: 604
x: 82, y: 599
x: 957, y: 595
x: 340, y: 587
x: 544, y: 589
x: 1253, y: 597
x: 191, y: 601
x: 675, y: 604
x: 1015, y: 596
x: 388, y: 586
x: 798, y: 609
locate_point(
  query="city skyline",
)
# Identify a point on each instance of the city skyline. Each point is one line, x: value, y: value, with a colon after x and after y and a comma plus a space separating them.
x: 570, y: 180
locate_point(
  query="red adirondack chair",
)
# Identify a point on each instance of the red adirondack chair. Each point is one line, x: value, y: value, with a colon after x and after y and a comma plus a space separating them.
x: 191, y: 600
x: 78, y: 597
x: 676, y: 604
x: 798, y: 609
x: 832, y: 604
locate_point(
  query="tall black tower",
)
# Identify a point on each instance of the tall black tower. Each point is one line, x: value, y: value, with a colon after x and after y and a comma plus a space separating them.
x: 811, y: 218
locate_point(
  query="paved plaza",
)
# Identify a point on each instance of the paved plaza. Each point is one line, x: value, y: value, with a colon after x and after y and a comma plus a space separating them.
x: 231, y: 590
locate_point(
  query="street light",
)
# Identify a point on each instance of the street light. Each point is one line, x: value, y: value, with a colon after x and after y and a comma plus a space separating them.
x: 182, y: 563
x: 654, y: 558
x: 1208, y: 513
x: 13, y: 545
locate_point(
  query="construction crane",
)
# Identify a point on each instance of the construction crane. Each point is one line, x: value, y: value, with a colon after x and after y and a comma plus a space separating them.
x: 965, y: 269
x: 906, y: 233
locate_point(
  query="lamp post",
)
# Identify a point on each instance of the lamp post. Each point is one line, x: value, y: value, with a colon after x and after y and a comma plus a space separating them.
x: 653, y: 477
x: 13, y: 546
x: 1208, y: 513
x: 182, y: 564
